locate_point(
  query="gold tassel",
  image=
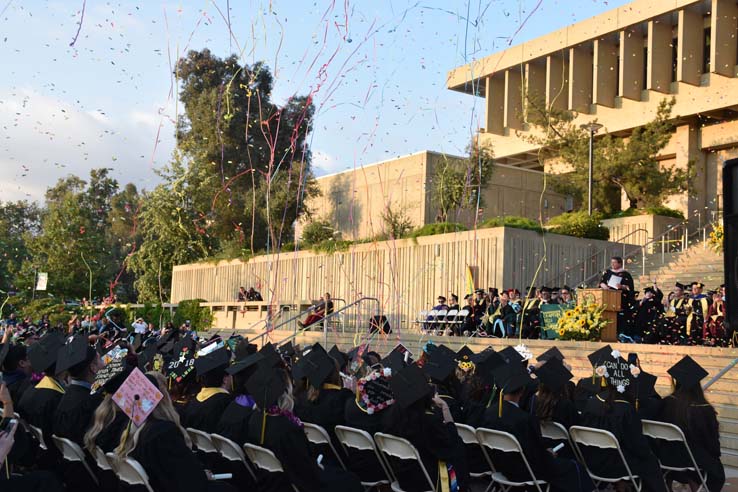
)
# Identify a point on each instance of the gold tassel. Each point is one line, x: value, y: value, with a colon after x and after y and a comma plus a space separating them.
x: 594, y: 375
x: 499, y: 410
x: 263, y: 426
x: 637, y: 404
x: 603, y: 382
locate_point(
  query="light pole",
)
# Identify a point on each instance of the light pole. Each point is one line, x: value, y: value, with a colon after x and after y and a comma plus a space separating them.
x: 593, y: 128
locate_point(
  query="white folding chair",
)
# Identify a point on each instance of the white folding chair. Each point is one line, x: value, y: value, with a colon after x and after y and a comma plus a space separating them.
x: 201, y: 440
x: 131, y: 472
x: 469, y: 437
x: 402, y: 449
x: 264, y: 459
x: 599, y: 438
x: 102, y: 460
x: 557, y: 432
x: 39, y: 435
x: 422, y: 315
x: 230, y: 451
x: 662, y: 431
x: 360, y: 440
x: 507, y: 443
x: 73, y: 453
x: 318, y: 435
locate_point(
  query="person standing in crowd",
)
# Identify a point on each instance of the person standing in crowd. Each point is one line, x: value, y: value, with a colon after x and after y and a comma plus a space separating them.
x: 699, y: 305
x: 566, y: 299
x: 253, y: 295
x: 501, y: 321
x: 241, y: 297
x: 140, y: 326
x: 673, y: 328
x: 714, y: 331
x: 649, y: 313
x: 322, y: 309
x: 617, y: 278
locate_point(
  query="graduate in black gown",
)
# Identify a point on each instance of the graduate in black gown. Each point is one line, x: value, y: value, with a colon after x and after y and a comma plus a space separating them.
x: 234, y: 422
x: 16, y: 370
x: 688, y: 409
x: 205, y: 410
x: 649, y: 313
x: 161, y: 445
x: 440, y: 367
x: 507, y: 416
x: 74, y: 413
x: 274, y: 426
x: 425, y: 420
x: 613, y: 410
x: 550, y: 403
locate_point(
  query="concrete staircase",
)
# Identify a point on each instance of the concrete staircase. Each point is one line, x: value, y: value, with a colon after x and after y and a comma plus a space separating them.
x: 698, y: 262
x: 655, y: 359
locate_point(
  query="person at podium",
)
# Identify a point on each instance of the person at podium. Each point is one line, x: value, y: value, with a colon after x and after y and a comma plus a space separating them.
x: 617, y: 278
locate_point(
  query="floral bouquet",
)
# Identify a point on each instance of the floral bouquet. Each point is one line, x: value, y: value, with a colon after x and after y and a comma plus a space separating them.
x: 583, y: 322
x: 715, y: 240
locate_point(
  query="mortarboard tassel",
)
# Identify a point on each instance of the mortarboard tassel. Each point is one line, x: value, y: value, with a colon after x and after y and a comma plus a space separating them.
x: 499, y: 409
x: 263, y: 426
x: 603, y: 382
x: 492, y: 395
x: 594, y: 375
x: 637, y: 404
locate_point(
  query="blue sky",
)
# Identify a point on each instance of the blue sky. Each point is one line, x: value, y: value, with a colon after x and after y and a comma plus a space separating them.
x: 377, y: 70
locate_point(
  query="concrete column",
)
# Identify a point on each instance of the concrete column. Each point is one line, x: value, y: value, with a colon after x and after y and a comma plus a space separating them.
x: 631, y: 64
x: 691, y: 45
x: 580, y: 78
x: 514, y: 99
x: 495, y: 99
x: 557, y: 82
x: 659, y: 57
x: 605, y: 73
x: 723, y: 46
x: 535, y: 81
x: 688, y: 154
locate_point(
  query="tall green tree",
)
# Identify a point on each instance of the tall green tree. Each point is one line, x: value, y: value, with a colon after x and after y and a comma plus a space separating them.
x: 19, y: 221
x: 625, y: 165
x: 457, y: 184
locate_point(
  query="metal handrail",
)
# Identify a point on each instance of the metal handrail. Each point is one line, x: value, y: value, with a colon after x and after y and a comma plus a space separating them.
x: 722, y: 373
x: 325, y: 319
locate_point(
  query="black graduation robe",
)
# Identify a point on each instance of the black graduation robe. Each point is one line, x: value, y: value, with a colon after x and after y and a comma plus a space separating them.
x: 38, y: 404
x: 204, y: 411
x: 75, y: 412
x: 648, y: 317
x: 364, y: 463
x: 290, y: 445
x: 561, y: 473
x: 328, y: 410
x: 17, y: 383
x: 621, y: 420
x: 234, y: 422
x: 703, y: 436
x: 109, y: 437
x: 169, y: 463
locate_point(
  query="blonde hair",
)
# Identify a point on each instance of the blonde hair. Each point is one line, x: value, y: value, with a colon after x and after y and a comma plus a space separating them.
x: 163, y: 411
x: 103, y: 417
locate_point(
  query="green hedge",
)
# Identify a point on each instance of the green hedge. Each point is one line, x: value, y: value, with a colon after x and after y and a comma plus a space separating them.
x: 200, y: 318
x: 512, y: 221
x: 437, y: 228
x: 632, y: 212
x: 579, y: 224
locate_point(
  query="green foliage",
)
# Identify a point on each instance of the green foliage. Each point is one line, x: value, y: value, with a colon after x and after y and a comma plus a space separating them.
x: 437, y: 228
x: 331, y: 246
x: 200, y: 318
x: 663, y: 211
x: 48, y: 306
x: 396, y: 222
x: 19, y: 222
x: 153, y: 313
x: 317, y: 231
x: 512, y: 221
x: 579, y: 224
x: 627, y: 165
x: 457, y: 184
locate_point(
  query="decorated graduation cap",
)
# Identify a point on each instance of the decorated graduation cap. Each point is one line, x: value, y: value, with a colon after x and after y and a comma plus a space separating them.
x: 111, y: 376
x: 409, y: 385
x: 374, y: 392
x: 687, y: 372
x: 599, y: 356
x: 553, y: 374
x: 183, y: 362
x: 138, y: 396
x: 617, y: 372
x: 464, y: 351
x: 74, y: 352
x: 439, y: 365
x: 43, y: 354
x: 218, y: 359
x: 245, y: 363
x: 552, y: 353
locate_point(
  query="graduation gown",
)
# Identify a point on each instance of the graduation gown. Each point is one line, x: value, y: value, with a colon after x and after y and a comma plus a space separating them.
x: 623, y: 422
x: 17, y: 383
x: 561, y: 473
x: 109, y: 437
x: 364, y: 463
x: 700, y: 305
x: 327, y: 410
x: 204, y: 411
x: 234, y: 423
x: 39, y: 403
x: 648, y: 316
x: 290, y: 445
x: 703, y: 436
x: 75, y: 412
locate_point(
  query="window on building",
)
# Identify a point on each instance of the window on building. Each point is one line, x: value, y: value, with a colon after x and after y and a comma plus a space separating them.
x: 706, y: 51
x: 674, y: 58
x: 644, y: 80
x: 617, y: 72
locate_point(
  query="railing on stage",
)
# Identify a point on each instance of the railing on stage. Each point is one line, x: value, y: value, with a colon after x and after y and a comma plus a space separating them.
x: 270, y: 326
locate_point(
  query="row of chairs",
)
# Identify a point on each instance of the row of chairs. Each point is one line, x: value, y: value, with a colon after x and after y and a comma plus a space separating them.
x: 442, y: 317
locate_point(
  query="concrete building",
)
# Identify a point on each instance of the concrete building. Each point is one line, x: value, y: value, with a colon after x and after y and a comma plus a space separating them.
x: 353, y: 201
x: 615, y: 68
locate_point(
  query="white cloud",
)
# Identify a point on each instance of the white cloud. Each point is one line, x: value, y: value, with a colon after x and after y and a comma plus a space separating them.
x: 44, y: 138
x: 324, y: 163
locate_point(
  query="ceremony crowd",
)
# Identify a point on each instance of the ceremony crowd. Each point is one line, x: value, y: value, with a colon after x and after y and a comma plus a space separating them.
x: 70, y: 387
x: 685, y: 315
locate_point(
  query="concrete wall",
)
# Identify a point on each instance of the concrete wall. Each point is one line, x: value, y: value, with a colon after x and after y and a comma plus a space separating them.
x: 405, y: 276
x: 639, y: 229
x: 353, y: 201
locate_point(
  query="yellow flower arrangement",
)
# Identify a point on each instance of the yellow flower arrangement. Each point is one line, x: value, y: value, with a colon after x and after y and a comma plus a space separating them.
x: 716, y: 238
x: 583, y: 322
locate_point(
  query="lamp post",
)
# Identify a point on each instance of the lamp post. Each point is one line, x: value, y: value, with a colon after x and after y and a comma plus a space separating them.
x: 593, y: 128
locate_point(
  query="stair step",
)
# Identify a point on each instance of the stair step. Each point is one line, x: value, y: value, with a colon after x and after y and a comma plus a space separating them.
x: 728, y: 425
x: 729, y: 458
x: 728, y: 440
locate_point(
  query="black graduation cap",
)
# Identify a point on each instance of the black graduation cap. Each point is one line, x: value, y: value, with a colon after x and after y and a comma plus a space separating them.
x: 698, y: 284
x: 75, y: 351
x: 464, y: 351
x: 147, y: 356
x: 409, y: 385
x: 43, y: 353
x: 109, y: 378
x: 439, y: 365
x: 679, y: 285
x: 394, y: 360
x: 217, y: 359
x: 644, y: 385
x: 317, y: 366
x: 270, y: 354
x: 552, y: 353
x: 183, y: 362
x: 511, y: 355
x: 687, y: 372
x: 545, y: 289
x: 265, y: 386
x: 650, y: 290
x: 164, y: 339
x: 287, y: 350
x: 554, y: 374
x: 245, y: 363
x: 338, y: 356
x: 510, y: 378
x: 598, y: 357
x: 486, y: 362
x: 137, y: 342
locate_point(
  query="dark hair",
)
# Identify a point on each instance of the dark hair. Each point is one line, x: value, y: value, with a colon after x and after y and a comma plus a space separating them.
x: 685, y: 397
x: 78, y: 371
x: 546, y: 401
x: 619, y: 259
x: 214, y: 378
x: 16, y: 353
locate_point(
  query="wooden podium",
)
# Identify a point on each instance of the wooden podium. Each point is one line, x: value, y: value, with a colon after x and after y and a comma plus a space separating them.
x: 611, y: 300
